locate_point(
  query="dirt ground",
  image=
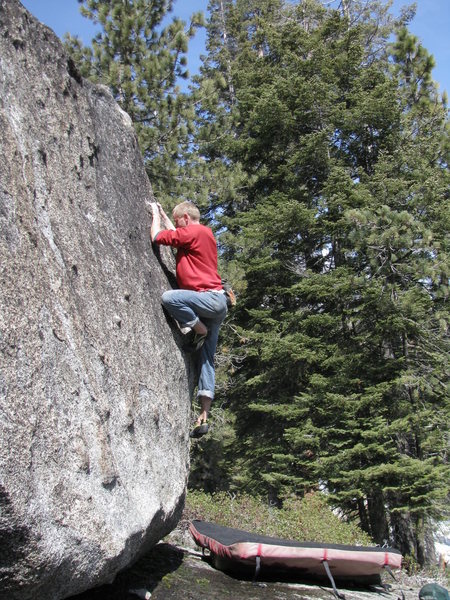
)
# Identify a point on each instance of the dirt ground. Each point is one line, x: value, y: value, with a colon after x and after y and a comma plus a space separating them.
x: 174, y: 572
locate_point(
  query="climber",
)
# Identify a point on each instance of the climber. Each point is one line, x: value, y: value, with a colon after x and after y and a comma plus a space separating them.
x: 200, y: 303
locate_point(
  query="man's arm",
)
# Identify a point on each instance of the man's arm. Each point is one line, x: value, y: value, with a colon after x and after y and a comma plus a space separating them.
x: 166, y: 221
x: 156, y: 221
x: 158, y: 214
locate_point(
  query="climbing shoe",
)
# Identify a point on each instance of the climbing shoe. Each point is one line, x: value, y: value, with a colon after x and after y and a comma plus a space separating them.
x: 195, y: 342
x: 199, y: 430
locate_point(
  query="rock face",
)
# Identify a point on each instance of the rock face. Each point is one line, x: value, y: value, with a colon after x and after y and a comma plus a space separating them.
x: 94, y: 398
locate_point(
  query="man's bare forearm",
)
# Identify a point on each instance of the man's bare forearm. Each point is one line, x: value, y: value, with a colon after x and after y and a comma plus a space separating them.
x: 156, y: 221
x: 165, y: 219
x: 158, y: 214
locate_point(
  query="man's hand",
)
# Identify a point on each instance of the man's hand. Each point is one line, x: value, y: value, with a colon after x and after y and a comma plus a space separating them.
x: 152, y: 207
x: 156, y: 220
x: 165, y: 219
x: 158, y: 215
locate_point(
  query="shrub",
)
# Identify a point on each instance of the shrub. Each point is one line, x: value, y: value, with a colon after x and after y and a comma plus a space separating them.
x: 307, y: 519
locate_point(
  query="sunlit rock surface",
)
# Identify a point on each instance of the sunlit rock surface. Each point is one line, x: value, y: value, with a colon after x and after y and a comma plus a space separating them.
x: 94, y: 399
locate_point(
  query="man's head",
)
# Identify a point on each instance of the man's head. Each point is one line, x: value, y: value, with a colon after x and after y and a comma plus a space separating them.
x: 185, y: 213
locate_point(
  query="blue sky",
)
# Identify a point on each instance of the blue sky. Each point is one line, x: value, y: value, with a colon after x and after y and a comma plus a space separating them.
x: 431, y: 25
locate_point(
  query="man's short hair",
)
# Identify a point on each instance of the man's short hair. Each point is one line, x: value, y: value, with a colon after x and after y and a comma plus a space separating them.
x: 189, y: 208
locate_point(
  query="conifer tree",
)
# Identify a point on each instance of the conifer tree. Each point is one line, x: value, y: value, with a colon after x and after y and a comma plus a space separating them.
x: 343, y: 260
x: 142, y: 61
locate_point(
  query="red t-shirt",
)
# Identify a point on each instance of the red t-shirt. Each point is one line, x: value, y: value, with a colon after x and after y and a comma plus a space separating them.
x: 196, y: 256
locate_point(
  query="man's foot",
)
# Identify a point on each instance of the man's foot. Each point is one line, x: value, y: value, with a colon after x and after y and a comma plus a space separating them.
x: 200, y: 328
x: 195, y: 342
x: 199, y: 430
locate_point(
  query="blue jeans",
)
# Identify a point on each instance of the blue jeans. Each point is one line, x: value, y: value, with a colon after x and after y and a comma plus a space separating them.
x: 188, y: 307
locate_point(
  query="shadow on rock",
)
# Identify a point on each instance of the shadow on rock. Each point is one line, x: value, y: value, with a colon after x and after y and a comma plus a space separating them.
x: 168, y: 572
x: 149, y: 572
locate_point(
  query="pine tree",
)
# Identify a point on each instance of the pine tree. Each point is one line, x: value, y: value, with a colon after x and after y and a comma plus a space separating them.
x: 143, y: 61
x: 343, y: 260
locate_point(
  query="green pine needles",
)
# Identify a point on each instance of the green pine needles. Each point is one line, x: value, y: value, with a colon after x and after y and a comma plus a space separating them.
x: 318, y: 150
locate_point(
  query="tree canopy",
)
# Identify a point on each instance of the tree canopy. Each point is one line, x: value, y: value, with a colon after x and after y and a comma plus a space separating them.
x: 316, y: 144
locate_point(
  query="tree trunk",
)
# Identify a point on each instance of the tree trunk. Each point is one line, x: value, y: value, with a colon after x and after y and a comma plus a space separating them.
x: 225, y: 43
x: 363, y: 518
x: 377, y: 517
x: 403, y: 534
x: 420, y: 539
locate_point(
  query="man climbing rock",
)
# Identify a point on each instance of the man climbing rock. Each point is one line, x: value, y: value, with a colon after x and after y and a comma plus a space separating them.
x: 200, y: 302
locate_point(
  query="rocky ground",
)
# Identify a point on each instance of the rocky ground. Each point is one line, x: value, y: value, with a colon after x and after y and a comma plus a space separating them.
x: 176, y: 570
